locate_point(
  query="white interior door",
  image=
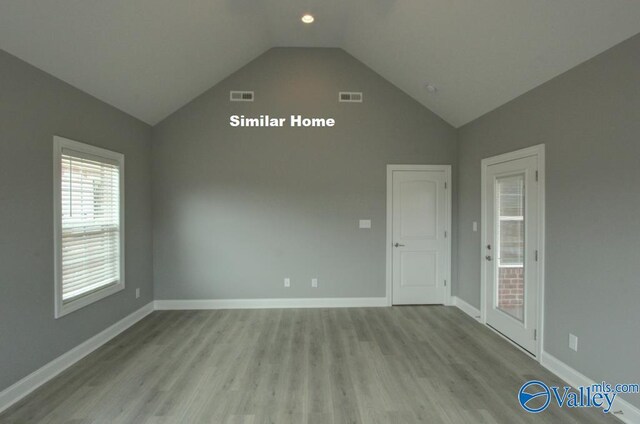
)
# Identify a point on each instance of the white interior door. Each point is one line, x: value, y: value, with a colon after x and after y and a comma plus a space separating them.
x: 420, y: 254
x: 511, y: 249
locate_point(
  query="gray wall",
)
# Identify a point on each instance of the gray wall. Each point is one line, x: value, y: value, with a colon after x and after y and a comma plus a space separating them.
x: 33, y: 107
x: 238, y: 209
x: 589, y: 119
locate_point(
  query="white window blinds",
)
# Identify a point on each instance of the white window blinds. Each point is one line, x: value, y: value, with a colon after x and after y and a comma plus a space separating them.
x: 89, y: 224
x: 90, y: 227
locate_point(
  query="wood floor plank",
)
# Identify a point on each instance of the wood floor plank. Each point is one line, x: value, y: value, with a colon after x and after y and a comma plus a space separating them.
x: 317, y: 366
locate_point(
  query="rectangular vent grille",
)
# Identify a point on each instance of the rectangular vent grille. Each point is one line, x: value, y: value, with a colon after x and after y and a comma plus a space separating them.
x: 350, y: 97
x: 241, y: 96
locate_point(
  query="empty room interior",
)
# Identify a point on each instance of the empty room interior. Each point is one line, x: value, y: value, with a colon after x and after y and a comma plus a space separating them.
x: 279, y: 211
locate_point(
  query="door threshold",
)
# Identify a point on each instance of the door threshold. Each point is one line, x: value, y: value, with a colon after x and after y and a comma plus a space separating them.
x: 520, y: 348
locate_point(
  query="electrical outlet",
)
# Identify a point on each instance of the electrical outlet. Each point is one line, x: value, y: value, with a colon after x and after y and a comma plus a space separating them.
x: 475, y: 226
x: 573, y: 342
x: 137, y: 293
x: 314, y: 283
x: 287, y: 282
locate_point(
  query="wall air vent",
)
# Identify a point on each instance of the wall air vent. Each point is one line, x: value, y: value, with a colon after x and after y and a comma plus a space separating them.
x: 350, y: 97
x: 241, y: 96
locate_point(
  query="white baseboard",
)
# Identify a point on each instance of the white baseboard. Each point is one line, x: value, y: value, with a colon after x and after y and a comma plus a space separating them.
x: 465, y: 307
x: 22, y: 388
x: 338, y: 302
x: 622, y: 409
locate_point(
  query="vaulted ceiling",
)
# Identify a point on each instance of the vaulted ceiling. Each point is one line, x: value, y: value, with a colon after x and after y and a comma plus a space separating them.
x: 150, y: 57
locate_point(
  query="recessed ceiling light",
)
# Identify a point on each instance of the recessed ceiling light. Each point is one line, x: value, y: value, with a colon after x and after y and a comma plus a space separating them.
x: 307, y: 19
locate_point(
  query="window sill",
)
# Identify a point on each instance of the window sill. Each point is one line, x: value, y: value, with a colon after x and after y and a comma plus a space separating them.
x: 63, y: 309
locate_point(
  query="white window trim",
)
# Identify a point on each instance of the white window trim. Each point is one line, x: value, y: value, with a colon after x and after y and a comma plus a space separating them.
x: 60, y: 143
x: 511, y: 218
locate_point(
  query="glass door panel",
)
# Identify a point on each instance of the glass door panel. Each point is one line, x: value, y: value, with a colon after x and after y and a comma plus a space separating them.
x: 510, y: 244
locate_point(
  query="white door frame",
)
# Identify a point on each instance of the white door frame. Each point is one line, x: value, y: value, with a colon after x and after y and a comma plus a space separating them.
x: 447, y: 171
x: 539, y: 151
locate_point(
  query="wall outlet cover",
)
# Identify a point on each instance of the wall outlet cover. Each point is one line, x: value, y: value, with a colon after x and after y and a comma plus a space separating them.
x: 287, y: 282
x: 314, y: 282
x: 573, y: 342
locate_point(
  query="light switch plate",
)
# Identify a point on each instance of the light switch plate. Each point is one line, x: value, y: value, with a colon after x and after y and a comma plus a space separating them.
x: 475, y: 226
x: 365, y: 223
x: 287, y: 282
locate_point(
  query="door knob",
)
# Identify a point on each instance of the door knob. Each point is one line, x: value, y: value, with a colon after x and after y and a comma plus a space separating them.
x: 399, y: 245
x: 488, y: 257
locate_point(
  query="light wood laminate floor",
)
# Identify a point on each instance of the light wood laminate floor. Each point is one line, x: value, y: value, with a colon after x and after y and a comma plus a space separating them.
x: 429, y: 364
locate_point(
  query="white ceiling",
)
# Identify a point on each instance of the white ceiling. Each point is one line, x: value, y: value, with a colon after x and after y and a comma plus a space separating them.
x: 150, y: 57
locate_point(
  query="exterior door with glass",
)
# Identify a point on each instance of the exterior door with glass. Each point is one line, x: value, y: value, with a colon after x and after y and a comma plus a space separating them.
x: 511, y: 249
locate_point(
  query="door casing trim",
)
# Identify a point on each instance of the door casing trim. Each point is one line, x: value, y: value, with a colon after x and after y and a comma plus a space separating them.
x: 539, y: 151
x: 390, y: 170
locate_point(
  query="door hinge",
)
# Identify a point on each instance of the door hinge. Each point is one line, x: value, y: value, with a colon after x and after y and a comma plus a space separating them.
x: 536, y: 175
x: 445, y: 234
x: 445, y: 283
x: 536, y: 256
x: 535, y: 334
x: 445, y: 185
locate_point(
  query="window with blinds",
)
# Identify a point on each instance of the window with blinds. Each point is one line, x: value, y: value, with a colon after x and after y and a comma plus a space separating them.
x: 89, y: 229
